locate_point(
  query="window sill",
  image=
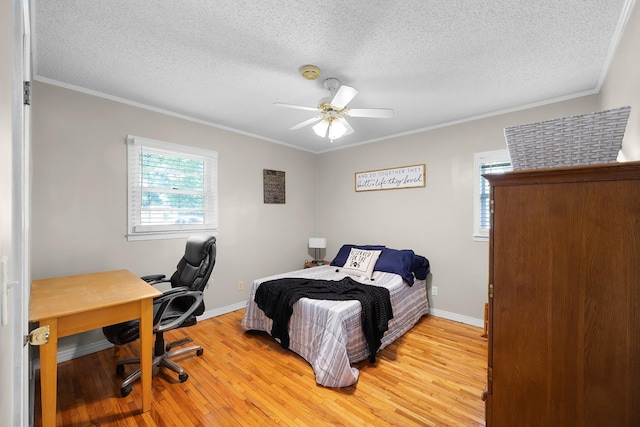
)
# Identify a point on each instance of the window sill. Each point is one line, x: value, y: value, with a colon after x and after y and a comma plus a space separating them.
x: 169, y: 235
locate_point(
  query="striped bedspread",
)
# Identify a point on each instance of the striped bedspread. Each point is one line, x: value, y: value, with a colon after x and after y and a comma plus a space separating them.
x: 328, y: 334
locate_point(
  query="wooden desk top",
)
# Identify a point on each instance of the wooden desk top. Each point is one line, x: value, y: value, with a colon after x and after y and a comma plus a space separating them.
x: 62, y: 296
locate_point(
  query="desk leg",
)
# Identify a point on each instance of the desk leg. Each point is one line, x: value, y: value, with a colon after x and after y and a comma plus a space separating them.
x: 49, y: 374
x: 146, y: 354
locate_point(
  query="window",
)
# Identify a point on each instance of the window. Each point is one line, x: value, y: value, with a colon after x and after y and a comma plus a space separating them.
x: 172, y: 189
x: 487, y: 162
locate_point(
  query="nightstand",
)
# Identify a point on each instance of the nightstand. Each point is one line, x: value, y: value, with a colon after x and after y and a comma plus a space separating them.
x: 315, y: 263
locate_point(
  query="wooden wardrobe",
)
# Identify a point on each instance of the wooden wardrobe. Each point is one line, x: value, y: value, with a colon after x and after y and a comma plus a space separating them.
x: 564, y: 297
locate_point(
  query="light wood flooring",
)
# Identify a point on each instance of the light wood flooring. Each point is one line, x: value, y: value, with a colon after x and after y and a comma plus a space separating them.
x: 432, y: 376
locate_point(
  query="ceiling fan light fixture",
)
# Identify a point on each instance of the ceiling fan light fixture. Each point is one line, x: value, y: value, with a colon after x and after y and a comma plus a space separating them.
x: 343, y: 122
x: 333, y: 111
x: 336, y: 130
x: 321, y: 128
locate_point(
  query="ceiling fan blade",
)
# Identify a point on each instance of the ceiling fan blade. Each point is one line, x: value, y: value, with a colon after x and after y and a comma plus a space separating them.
x: 295, y: 107
x: 343, y: 96
x: 347, y: 126
x: 378, y: 113
x: 321, y: 128
x: 305, y: 123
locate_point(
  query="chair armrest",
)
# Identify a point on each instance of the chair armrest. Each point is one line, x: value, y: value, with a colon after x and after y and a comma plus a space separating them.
x: 173, y: 291
x: 155, y: 278
x: 166, y: 299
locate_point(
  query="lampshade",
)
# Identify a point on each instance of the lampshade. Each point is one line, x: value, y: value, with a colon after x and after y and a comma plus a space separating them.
x: 336, y: 129
x: 321, y: 128
x: 317, y: 242
x: 332, y: 128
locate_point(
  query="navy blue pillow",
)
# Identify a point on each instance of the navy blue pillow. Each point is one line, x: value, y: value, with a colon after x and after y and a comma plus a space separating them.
x: 420, y: 267
x: 344, y: 251
x: 397, y: 261
x: 403, y: 262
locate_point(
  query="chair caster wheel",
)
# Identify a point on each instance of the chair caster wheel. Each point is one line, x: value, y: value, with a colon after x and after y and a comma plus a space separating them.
x: 200, y: 352
x: 183, y: 377
x: 124, y: 391
x: 119, y: 369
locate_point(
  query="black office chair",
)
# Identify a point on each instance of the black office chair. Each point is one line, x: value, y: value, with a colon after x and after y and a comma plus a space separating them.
x: 176, y: 308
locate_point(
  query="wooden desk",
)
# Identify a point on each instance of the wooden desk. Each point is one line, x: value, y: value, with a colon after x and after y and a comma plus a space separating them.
x: 74, y: 304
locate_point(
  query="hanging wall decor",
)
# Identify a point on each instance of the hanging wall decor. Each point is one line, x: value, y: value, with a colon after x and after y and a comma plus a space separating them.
x: 274, y: 186
x: 391, y: 179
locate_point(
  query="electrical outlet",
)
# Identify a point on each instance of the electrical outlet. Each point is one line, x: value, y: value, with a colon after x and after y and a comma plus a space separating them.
x: 240, y: 285
x: 434, y: 290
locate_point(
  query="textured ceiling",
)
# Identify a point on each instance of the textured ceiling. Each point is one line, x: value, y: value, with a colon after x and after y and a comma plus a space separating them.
x: 226, y: 62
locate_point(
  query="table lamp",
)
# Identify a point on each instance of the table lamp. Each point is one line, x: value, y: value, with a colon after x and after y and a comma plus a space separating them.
x: 317, y: 243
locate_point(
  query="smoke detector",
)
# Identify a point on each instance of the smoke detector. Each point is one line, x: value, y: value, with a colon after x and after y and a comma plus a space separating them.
x: 310, y: 72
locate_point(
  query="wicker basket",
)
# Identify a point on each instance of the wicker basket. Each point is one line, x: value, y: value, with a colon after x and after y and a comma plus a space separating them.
x: 578, y: 140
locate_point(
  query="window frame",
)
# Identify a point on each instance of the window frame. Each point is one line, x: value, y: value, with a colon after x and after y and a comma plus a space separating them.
x: 479, y: 160
x: 135, y: 231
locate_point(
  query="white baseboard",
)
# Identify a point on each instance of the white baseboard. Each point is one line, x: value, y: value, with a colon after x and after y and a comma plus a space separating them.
x: 457, y: 317
x: 75, y: 352
x: 222, y: 310
x: 83, y: 350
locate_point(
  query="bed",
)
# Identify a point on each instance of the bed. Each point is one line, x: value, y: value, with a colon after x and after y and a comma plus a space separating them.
x: 329, y: 334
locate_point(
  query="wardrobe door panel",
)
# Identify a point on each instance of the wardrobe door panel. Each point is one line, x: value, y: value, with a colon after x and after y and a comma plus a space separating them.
x: 564, y: 306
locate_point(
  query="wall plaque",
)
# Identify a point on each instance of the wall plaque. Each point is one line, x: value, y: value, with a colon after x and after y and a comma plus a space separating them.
x: 391, y: 179
x: 274, y: 189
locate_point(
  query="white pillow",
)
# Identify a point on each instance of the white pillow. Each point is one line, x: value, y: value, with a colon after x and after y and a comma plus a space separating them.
x: 361, y: 262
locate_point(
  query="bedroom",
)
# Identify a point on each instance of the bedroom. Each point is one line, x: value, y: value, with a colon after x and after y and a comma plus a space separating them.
x: 79, y: 186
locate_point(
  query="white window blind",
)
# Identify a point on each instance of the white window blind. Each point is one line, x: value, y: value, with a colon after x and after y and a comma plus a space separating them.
x: 172, y: 189
x: 486, y: 162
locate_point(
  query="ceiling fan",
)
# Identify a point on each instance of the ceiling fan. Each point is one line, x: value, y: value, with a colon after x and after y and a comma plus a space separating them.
x: 333, y: 111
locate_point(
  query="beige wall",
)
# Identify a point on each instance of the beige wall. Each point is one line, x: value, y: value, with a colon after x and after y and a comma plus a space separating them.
x: 435, y: 221
x: 622, y: 86
x: 80, y: 195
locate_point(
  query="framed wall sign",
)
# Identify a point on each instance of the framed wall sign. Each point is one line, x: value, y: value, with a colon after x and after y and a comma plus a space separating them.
x: 391, y: 179
x: 274, y: 186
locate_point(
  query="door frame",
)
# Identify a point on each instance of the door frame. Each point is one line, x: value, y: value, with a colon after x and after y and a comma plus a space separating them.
x: 23, y: 400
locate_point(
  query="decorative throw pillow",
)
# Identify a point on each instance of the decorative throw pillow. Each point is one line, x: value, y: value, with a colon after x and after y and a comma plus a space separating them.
x: 361, y: 263
x: 344, y: 251
x: 398, y: 261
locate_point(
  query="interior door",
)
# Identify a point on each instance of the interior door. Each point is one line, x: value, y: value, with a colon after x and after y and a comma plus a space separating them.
x: 22, y: 265
x: 14, y: 215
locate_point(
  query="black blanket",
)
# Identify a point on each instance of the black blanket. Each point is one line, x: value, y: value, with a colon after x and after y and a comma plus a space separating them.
x: 276, y: 299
